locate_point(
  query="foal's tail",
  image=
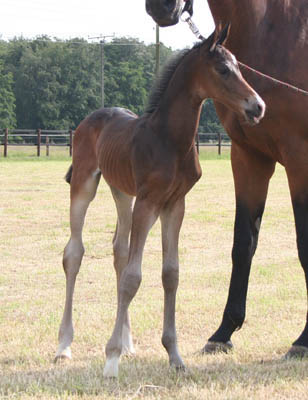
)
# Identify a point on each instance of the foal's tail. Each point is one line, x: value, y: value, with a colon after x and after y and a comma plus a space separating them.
x: 68, y: 175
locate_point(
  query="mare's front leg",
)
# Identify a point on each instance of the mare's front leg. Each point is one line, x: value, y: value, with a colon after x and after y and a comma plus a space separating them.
x: 298, y: 180
x: 251, y: 173
x: 144, y: 215
x: 171, y: 221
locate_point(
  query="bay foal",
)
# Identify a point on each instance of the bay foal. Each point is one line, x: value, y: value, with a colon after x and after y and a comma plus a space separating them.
x: 154, y: 159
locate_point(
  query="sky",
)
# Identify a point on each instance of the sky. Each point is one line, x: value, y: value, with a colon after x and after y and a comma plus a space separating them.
x: 66, y: 19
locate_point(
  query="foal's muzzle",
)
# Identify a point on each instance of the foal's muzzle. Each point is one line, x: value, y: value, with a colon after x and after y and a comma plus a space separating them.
x: 254, y: 110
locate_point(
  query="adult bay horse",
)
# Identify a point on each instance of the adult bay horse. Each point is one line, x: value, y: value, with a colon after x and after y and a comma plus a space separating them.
x: 270, y: 36
x: 154, y: 159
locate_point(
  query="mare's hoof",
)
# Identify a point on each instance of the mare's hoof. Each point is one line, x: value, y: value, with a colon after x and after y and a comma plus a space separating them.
x: 296, y: 352
x: 217, y: 347
x: 62, y: 358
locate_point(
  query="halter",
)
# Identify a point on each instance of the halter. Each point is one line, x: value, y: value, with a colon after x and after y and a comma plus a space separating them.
x: 186, y: 17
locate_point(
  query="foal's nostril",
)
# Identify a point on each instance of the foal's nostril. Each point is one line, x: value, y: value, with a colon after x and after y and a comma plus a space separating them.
x: 259, y: 109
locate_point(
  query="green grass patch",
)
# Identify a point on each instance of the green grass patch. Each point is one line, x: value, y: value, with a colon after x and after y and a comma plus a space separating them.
x: 34, y: 229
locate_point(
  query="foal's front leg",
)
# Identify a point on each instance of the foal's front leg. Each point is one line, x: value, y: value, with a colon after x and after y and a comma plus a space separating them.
x: 171, y: 221
x: 144, y: 216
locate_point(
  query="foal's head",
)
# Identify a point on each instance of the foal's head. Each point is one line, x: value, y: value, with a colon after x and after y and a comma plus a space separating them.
x: 218, y: 76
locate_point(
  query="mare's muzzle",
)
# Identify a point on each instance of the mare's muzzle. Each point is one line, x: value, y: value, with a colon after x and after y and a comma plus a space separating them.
x: 164, y: 12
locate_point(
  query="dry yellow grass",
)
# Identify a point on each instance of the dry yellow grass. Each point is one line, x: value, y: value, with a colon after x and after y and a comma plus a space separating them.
x: 33, y: 232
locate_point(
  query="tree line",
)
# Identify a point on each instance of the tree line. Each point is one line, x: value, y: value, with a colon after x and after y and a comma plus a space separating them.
x: 53, y: 84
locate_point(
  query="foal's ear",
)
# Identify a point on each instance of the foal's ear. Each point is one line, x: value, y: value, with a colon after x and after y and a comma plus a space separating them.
x: 223, y: 35
x: 220, y: 36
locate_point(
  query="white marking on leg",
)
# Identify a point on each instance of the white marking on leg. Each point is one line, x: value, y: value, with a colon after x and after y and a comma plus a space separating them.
x: 127, y: 341
x: 64, y: 352
x: 111, y: 369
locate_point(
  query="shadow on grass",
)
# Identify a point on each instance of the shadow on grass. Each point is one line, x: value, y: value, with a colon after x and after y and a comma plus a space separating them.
x: 139, y: 376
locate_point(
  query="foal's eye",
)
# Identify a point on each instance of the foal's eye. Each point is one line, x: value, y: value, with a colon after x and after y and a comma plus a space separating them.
x: 223, y: 70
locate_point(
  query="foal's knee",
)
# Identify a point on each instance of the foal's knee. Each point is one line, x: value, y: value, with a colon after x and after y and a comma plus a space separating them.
x: 170, y: 277
x: 168, y: 340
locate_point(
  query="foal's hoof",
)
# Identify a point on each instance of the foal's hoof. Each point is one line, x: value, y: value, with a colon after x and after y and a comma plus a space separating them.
x: 62, y: 358
x: 179, y: 367
x: 296, y: 352
x: 217, y: 347
x: 111, y: 369
x: 63, y: 354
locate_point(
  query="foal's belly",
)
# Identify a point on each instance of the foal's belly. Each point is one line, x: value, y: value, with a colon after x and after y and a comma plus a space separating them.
x: 115, y: 164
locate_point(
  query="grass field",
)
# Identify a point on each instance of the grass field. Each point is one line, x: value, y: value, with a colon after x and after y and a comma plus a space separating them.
x: 34, y: 229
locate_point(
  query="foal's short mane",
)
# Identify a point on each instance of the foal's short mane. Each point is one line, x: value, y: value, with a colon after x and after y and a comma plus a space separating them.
x: 162, y: 82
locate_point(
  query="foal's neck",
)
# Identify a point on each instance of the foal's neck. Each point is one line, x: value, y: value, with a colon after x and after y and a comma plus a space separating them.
x: 178, y: 112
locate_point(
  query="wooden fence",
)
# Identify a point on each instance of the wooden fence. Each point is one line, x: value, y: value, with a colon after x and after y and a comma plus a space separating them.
x: 46, y: 138
x: 36, y: 137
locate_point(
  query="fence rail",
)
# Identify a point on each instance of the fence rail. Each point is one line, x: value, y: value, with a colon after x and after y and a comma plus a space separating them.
x: 37, y: 138
x: 47, y: 138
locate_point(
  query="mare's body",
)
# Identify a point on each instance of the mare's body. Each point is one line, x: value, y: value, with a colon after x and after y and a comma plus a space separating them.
x: 271, y: 36
x: 154, y: 159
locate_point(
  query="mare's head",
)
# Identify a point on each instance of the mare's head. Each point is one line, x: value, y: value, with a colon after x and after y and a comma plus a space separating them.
x: 165, y: 12
x: 217, y: 76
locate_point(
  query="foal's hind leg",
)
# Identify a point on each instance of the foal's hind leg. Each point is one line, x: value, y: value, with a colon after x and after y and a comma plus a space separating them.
x: 82, y: 193
x: 171, y: 221
x: 144, y: 216
x: 124, y: 204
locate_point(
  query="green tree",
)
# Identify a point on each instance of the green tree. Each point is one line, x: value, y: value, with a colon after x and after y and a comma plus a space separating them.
x: 7, y: 99
x: 56, y: 83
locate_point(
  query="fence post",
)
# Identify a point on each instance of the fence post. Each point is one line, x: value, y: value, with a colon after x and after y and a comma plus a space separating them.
x: 38, y: 142
x: 47, y: 146
x: 71, y: 142
x: 219, y: 143
x: 6, y: 140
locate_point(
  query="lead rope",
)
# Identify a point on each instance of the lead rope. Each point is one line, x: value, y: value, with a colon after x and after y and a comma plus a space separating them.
x: 274, y: 80
x: 186, y: 17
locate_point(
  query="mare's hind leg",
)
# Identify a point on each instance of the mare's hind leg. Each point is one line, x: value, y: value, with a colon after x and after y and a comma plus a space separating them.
x: 298, y: 179
x: 171, y: 221
x: 124, y: 204
x: 83, y: 190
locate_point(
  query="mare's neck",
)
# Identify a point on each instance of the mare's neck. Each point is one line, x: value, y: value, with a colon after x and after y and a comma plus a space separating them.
x: 178, y: 113
x: 245, y: 16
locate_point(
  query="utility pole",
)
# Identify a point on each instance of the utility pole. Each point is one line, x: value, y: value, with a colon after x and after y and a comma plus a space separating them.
x: 157, y: 51
x: 102, y: 42
x: 102, y: 45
